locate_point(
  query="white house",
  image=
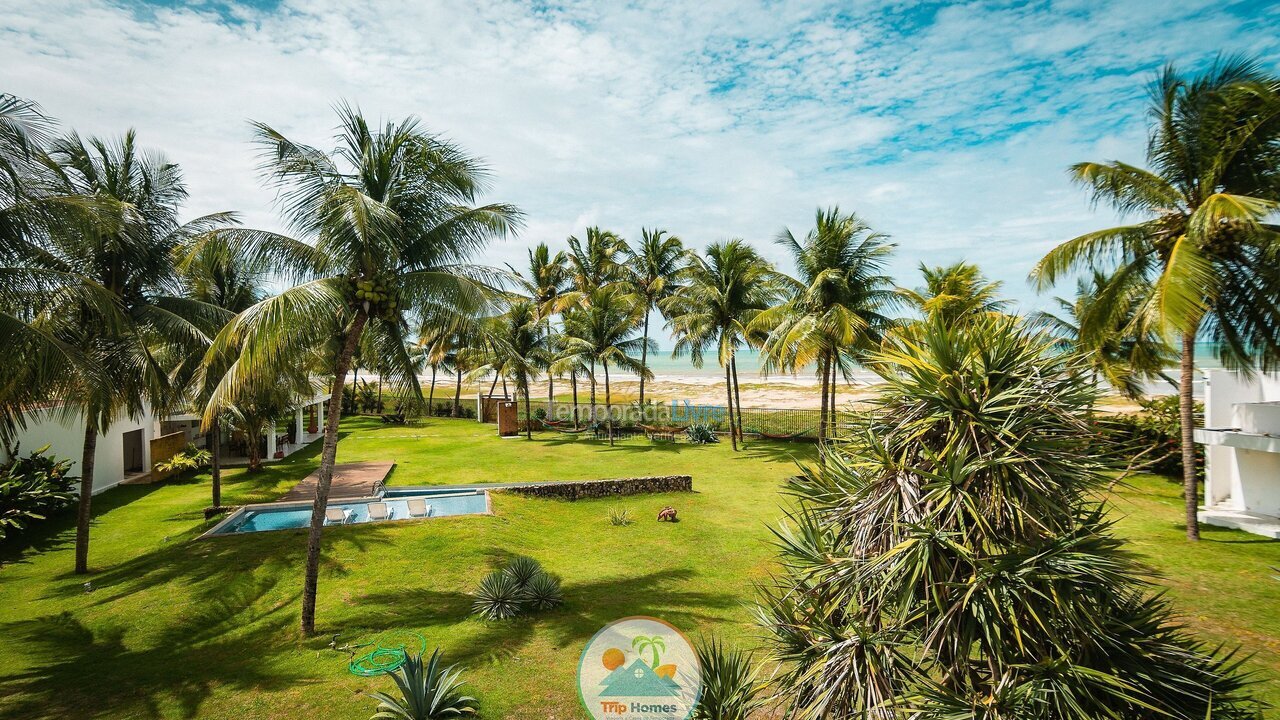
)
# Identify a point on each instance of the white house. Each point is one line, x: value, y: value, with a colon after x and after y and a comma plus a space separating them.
x: 124, y: 453
x: 1242, y: 451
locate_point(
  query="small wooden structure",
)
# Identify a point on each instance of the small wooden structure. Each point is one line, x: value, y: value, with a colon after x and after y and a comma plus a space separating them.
x: 489, y: 408
x: 508, y: 419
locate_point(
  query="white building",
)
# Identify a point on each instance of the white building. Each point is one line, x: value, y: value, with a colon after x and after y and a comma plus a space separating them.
x: 124, y: 452
x: 1242, y: 452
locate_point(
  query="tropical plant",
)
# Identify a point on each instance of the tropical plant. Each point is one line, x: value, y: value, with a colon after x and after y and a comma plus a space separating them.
x: 724, y: 293
x: 700, y: 434
x: 836, y: 306
x: 955, y: 293
x: 653, y: 273
x: 426, y: 693
x: 392, y: 225
x: 522, y: 569
x: 113, y: 342
x: 545, y: 280
x: 620, y: 517
x: 543, y: 592
x: 731, y: 684
x: 605, y: 332
x: 955, y: 560
x: 1119, y: 347
x: 1202, y: 257
x: 519, y: 342
x: 499, y: 597
x: 32, y: 488
x: 519, y: 587
x: 1150, y: 438
x: 257, y: 403
x: 189, y: 458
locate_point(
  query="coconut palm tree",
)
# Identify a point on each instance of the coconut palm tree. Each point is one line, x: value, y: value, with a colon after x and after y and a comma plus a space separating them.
x: 605, y: 331
x: 835, y: 307
x: 519, y: 342
x: 955, y: 293
x: 653, y: 273
x: 952, y: 561
x: 1109, y: 332
x: 1201, y: 251
x: 724, y: 292
x: 591, y: 265
x: 546, y: 278
x: 392, y: 220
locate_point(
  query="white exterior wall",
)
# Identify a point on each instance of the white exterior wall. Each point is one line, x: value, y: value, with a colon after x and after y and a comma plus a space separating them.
x: 66, y: 442
x: 1243, y: 478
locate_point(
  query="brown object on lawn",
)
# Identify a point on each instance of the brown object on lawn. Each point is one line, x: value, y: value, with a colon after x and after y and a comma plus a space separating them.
x: 350, y: 480
x: 667, y: 514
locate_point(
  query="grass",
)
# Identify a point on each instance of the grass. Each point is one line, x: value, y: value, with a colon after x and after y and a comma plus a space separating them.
x: 178, y: 628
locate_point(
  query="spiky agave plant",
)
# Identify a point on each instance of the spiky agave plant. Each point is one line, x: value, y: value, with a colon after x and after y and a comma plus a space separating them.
x: 731, y: 685
x: 954, y: 559
x: 426, y: 692
x: 499, y: 597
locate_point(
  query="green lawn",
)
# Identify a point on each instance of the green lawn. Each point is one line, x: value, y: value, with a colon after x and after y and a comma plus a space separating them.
x: 179, y: 628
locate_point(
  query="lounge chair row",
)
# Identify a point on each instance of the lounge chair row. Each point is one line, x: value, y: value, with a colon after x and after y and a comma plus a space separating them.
x: 337, y: 515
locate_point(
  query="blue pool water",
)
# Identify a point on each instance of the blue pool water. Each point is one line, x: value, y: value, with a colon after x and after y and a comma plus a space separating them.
x: 442, y: 503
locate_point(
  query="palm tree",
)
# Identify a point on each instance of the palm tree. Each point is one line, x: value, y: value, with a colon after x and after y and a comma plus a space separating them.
x: 1109, y: 333
x: 651, y: 643
x: 391, y: 216
x: 654, y: 270
x: 955, y: 293
x: 605, y: 331
x: 933, y: 566
x: 129, y: 253
x: 724, y: 293
x: 836, y: 304
x: 259, y: 402
x: 1202, y: 253
x: 520, y: 347
x: 546, y: 279
x: 592, y: 265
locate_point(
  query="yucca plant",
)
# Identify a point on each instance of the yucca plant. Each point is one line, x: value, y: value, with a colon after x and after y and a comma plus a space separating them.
x: 955, y: 560
x: 620, y: 517
x: 700, y: 434
x: 522, y: 569
x: 731, y: 685
x: 543, y: 592
x: 499, y: 597
x: 426, y: 693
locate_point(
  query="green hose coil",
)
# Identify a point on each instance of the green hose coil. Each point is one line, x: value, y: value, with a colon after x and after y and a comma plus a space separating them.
x: 383, y: 659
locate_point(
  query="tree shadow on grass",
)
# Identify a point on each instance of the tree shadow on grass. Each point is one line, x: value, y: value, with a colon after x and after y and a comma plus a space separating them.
x: 58, y: 532
x: 779, y: 452
x: 1227, y: 536
x: 74, y: 670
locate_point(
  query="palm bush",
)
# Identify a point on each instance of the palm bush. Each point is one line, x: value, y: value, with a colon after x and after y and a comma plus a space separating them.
x: 499, y: 597
x: 731, y: 686
x: 189, y: 458
x: 543, y: 592
x: 522, y: 569
x: 955, y: 559
x: 426, y: 693
x: 701, y: 434
x: 31, y: 489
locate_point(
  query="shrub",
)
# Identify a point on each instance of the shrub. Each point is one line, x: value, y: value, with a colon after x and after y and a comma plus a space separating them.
x: 952, y: 557
x: 191, y: 458
x: 1150, y: 439
x: 543, y: 592
x: 701, y: 434
x: 731, y: 687
x: 620, y: 517
x: 540, y: 414
x: 522, y: 586
x: 426, y: 693
x: 32, y: 488
x: 499, y: 597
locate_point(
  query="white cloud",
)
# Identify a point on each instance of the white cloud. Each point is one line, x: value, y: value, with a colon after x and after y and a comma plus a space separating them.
x: 950, y: 129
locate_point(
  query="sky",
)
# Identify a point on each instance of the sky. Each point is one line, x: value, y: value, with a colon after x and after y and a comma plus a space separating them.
x: 947, y: 126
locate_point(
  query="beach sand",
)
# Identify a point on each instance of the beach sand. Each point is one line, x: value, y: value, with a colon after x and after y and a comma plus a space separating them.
x: 778, y: 392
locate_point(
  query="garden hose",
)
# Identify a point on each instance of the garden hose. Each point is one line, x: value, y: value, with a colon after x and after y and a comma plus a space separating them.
x: 383, y: 659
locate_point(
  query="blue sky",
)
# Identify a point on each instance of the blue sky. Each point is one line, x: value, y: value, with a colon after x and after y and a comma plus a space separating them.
x: 948, y: 126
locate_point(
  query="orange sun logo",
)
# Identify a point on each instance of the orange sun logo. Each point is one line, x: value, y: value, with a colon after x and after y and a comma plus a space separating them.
x: 613, y: 659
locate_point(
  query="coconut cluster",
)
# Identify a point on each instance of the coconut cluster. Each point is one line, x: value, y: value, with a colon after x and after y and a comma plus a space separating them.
x: 380, y: 297
x: 1227, y: 234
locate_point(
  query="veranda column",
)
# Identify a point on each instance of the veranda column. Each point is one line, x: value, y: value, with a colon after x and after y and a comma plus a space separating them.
x: 297, y: 427
x: 320, y: 415
x: 271, y: 441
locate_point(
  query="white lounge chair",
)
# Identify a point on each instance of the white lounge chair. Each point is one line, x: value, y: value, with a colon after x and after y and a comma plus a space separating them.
x: 419, y: 508
x: 337, y: 515
x: 379, y: 511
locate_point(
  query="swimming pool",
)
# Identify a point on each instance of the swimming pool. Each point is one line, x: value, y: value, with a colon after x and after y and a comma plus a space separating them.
x: 296, y: 515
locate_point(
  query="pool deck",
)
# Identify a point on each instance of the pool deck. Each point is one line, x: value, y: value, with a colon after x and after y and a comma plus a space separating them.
x: 350, y: 480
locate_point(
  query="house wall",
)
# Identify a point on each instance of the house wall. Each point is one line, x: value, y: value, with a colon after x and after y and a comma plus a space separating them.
x: 1239, y: 478
x: 66, y: 441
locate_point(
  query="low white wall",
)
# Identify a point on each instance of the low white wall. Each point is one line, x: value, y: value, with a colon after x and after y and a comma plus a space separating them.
x: 66, y: 442
x: 1239, y: 478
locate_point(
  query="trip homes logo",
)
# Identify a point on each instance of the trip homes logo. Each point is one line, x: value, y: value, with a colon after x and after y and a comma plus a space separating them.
x: 639, y: 668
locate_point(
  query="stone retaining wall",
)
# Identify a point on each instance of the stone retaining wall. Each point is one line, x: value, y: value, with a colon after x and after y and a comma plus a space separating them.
x: 606, y: 488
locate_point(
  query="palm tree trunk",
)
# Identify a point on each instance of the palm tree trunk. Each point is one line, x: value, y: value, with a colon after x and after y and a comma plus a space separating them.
x: 255, y: 453
x: 86, y: 498
x: 431, y: 396
x: 551, y: 381
x: 728, y: 389
x: 1186, y: 411
x: 608, y: 404
x: 737, y: 395
x: 593, y: 391
x: 457, y: 392
x: 528, y: 416
x: 644, y: 362
x: 573, y: 378
x: 831, y: 404
x: 824, y: 366
x: 324, y: 476
x: 214, y: 442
